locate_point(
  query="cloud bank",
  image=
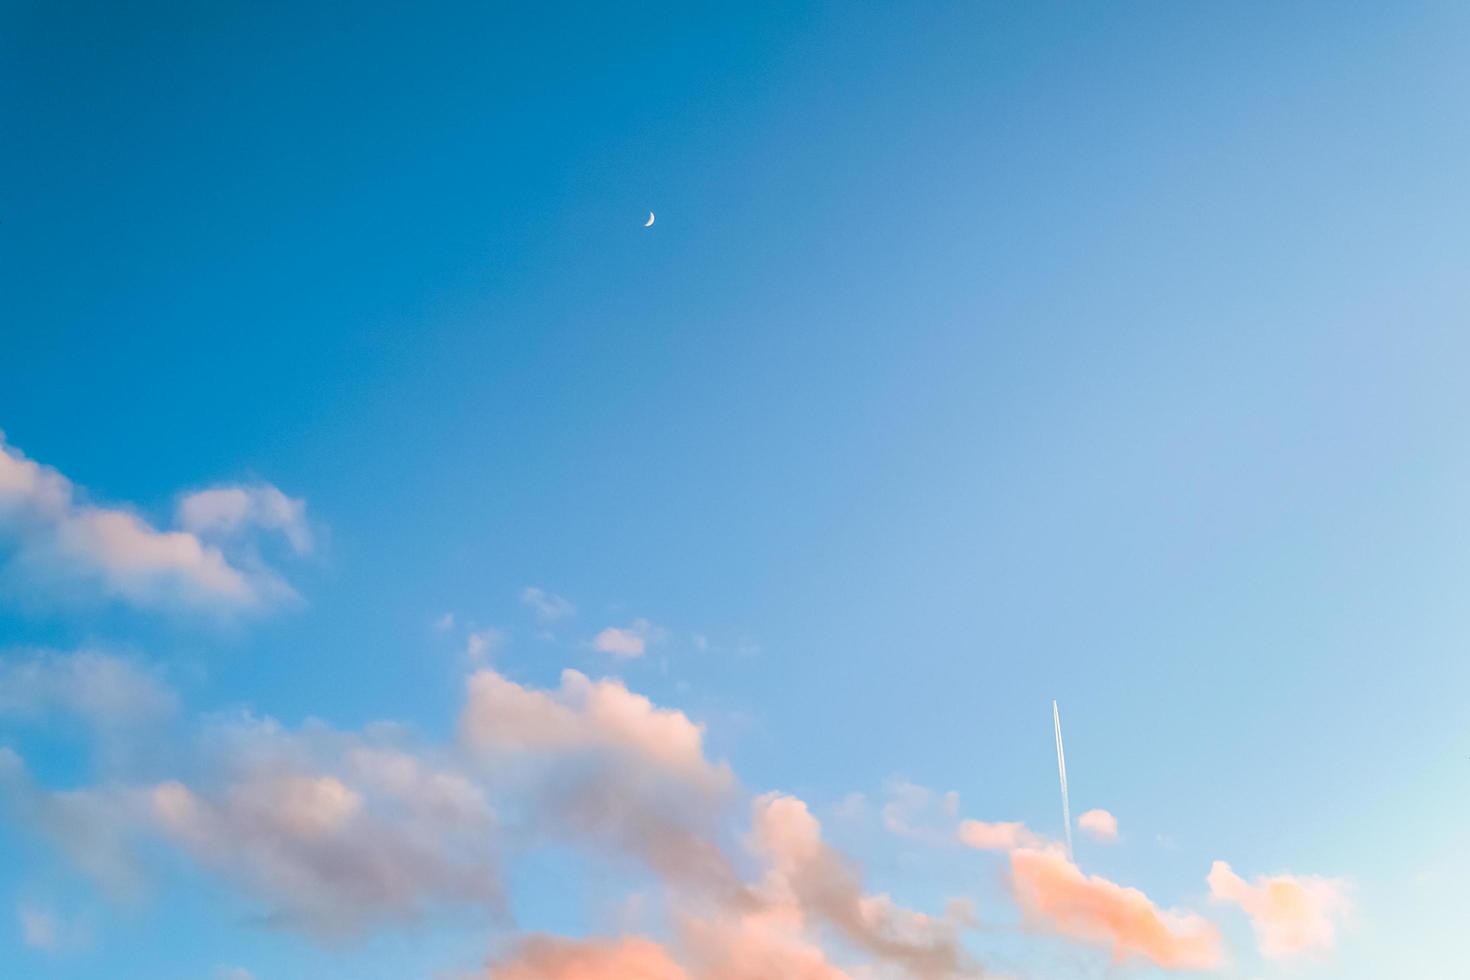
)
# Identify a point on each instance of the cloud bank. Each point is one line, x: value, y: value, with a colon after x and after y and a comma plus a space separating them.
x: 335, y: 833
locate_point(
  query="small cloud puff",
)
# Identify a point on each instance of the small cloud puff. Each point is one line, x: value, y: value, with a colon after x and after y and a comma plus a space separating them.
x: 1099, y: 825
x: 628, y: 642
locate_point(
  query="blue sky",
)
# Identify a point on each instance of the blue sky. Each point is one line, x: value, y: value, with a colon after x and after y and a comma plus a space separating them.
x: 980, y: 355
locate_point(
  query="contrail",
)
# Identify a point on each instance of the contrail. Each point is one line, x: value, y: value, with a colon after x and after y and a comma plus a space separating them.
x: 1056, y: 723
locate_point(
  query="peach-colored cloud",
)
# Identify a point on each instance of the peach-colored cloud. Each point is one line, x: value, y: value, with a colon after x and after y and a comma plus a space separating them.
x: 1099, y: 825
x: 626, y: 642
x: 590, y: 717
x: 1055, y: 895
x: 1291, y: 914
x: 548, y: 958
x: 755, y: 946
x: 998, y: 836
x: 64, y: 548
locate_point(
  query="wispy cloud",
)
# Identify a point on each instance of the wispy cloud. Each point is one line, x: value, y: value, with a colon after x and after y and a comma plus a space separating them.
x: 481, y: 643
x: 550, y: 958
x: 57, y: 547
x: 102, y: 689
x: 547, y: 607
x: 39, y: 928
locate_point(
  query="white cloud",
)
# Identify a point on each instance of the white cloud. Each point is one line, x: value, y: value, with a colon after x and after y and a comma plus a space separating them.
x: 225, y: 511
x: 547, y: 607
x: 54, y: 546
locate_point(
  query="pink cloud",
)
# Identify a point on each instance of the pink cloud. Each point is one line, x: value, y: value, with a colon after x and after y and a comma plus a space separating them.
x: 627, y: 642
x: 1291, y: 914
x: 823, y: 885
x: 583, y: 715
x: 1055, y: 895
x: 332, y: 831
x: 998, y: 836
x: 548, y: 958
x: 1099, y: 825
x: 63, y: 546
x: 755, y: 946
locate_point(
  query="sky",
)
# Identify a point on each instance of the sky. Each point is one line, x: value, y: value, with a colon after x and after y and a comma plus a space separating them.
x: 413, y: 566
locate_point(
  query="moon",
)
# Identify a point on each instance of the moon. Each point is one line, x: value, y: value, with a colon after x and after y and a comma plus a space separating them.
x: 649, y: 222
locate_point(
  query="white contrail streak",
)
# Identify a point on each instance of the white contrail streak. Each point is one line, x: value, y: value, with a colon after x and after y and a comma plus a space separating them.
x: 1056, y: 723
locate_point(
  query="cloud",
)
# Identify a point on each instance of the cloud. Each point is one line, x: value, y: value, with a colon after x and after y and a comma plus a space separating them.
x: 819, y: 882
x: 627, y: 642
x: 39, y: 929
x: 481, y: 643
x: 339, y: 833
x: 759, y: 946
x: 225, y: 511
x: 1099, y: 825
x: 999, y: 836
x: 333, y: 831
x: 755, y: 946
x: 106, y: 691
x: 92, y: 827
x: 1291, y: 915
x: 55, y: 546
x: 906, y: 813
x: 588, y: 717
x: 1055, y: 895
x: 550, y: 958
x: 547, y: 607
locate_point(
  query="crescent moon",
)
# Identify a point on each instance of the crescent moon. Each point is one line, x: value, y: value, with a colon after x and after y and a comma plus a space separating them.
x: 649, y: 222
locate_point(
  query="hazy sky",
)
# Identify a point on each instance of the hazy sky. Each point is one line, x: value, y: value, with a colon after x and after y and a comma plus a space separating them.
x: 982, y: 354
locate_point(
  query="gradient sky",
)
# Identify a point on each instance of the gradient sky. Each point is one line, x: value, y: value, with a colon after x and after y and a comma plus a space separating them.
x: 981, y: 354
